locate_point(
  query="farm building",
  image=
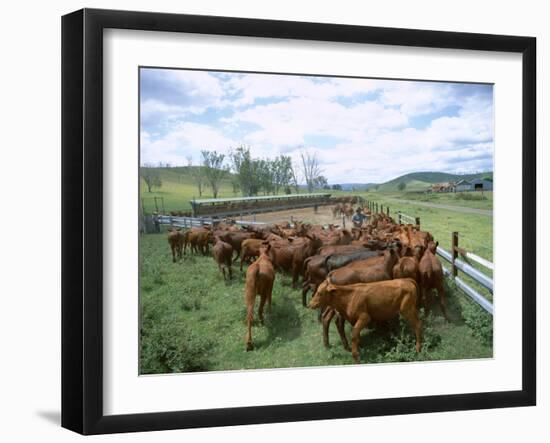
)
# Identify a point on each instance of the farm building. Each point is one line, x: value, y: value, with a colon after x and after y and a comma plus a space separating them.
x: 463, y: 185
x: 223, y: 207
x: 482, y: 184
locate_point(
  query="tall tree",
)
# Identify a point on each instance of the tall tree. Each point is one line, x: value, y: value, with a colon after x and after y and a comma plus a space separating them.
x: 311, y: 169
x: 282, y: 172
x: 214, y: 170
x: 197, y: 174
x: 150, y: 176
x: 245, y: 169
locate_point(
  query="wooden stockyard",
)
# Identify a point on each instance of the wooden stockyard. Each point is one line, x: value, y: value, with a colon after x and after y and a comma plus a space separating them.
x: 231, y: 207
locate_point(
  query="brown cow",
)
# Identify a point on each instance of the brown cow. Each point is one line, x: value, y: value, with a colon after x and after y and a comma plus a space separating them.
x: 235, y: 239
x: 407, y: 266
x: 223, y: 253
x: 366, y: 271
x: 363, y: 302
x: 175, y: 240
x: 250, y: 248
x: 259, y: 281
x: 199, y: 239
x: 431, y: 276
x: 290, y: 255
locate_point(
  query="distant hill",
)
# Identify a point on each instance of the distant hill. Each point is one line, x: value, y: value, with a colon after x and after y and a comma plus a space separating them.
x: 418, y: 181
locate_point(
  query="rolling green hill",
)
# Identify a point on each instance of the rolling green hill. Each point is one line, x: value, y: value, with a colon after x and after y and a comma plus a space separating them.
x: 178, y: 187
x: 419, y: 181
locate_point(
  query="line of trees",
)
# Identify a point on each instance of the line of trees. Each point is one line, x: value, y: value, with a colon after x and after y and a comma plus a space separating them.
x: 248, y: 175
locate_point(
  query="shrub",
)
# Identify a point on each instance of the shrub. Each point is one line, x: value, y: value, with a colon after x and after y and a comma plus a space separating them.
x: 170, y: 346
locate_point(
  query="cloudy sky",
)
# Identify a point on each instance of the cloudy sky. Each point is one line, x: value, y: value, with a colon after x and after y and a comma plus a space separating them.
x: 362, y: 130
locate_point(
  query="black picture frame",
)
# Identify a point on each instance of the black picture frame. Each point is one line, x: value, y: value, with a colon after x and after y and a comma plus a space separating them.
x: 82, y: 218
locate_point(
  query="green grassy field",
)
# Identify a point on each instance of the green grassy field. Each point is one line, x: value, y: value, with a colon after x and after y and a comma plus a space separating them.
x: 474, y: 200
x: 178, y: 188
x: 191, y: 320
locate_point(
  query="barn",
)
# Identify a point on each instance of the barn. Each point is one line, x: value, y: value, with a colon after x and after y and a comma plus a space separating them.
x: 463, y: 185
x: 481, y: 184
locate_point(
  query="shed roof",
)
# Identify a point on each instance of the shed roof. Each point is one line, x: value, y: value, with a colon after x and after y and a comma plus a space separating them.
x: 261, y: 197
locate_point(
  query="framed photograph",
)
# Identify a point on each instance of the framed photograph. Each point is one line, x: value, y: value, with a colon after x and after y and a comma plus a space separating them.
x: 269, y: 221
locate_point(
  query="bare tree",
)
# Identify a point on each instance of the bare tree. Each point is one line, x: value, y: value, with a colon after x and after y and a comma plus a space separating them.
x: 197, y: 174
x: 310, y: 169
x: 151, y: 177
x: 214, y: 171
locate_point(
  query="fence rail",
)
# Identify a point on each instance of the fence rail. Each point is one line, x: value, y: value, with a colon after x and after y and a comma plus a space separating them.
x: 470, y: 271
x: 191, y: 222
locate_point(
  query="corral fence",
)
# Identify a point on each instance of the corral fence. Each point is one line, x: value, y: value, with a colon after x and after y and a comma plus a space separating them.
x: 464, y: 266
x: 153, y: 223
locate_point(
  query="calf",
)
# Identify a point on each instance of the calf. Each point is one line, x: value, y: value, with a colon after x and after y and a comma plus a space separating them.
x: 407, y: 266
x: 235, y: 239
x: 223, y: 254
x: 260, y: 276
x: 250, y: 248
x: 363, y: 302
x: 175, y: 240
x: 431, y: 276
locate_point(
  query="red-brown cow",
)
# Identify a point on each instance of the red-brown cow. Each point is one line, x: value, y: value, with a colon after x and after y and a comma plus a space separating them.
x: 260, y: 276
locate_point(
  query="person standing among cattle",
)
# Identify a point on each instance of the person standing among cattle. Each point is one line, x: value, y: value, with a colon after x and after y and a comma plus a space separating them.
x: 358, y: 218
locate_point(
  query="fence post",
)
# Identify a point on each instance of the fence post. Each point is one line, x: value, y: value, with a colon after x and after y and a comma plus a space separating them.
x: 454, y: 253
x: 163, y: 209
x: 388, y: 211
x: 377, y: 208
x: 399, y: 218
x: 343, y: 221
x: 417, y: 221
x: 156, y: 205
x: 382, y: 208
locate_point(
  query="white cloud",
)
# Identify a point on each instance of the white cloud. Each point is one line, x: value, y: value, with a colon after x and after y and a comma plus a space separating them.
x: 362, y: 130
x: 187, y: 139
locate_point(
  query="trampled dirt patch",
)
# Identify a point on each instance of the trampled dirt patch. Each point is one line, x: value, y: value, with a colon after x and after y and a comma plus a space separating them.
x: 323, y: 216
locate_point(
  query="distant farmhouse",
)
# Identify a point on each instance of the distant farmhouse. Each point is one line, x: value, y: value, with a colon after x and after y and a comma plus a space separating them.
x: 476, y: 184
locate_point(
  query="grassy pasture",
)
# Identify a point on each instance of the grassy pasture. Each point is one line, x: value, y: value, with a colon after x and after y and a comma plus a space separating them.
x: 191, y: 320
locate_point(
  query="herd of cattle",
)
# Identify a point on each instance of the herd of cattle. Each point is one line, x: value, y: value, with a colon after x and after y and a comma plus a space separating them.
x: 374, y: 272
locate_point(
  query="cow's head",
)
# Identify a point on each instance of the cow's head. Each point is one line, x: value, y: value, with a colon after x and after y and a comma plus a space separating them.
x: 432, y: 246
x: 322, y: 296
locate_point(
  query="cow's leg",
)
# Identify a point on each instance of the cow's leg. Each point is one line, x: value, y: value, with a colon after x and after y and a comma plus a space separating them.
x: 222, y: 270
x: 305, y: 290
x: 361, y: 322
x: 442, y: 301
x: 410, y: 312
x: 242, y: 260
x: 173, y: 254
x: 229, y: 270
x: 249, y: 320
x: 238, y: 251
x: 263, y: 298
x: 340, y: 325
x: 327, y: 316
